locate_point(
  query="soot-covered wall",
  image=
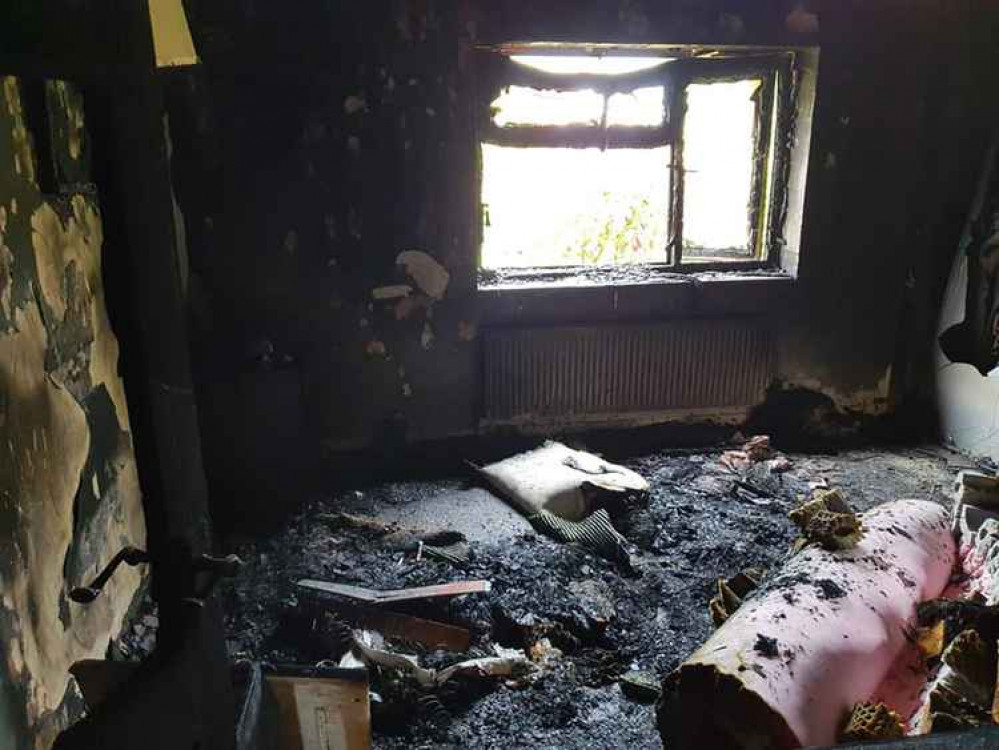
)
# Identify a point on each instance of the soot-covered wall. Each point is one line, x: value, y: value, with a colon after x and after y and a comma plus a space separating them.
x: 69, y: 493
x: 319, y: 141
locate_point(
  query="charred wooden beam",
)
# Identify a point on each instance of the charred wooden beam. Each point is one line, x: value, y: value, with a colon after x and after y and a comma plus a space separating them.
x: 577, y: 137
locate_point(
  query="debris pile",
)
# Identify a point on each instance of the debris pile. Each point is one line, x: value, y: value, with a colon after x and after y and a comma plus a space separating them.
x: 813, y: 640
x: 548, y: 639
x: 755, y: 450
x: 866, y: 632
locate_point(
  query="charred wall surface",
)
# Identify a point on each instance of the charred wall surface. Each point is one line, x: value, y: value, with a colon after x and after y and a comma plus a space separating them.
x: 69, y: 493
x: 316, y: 144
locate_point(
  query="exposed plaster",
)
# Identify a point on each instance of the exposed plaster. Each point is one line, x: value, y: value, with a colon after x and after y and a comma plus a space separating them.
x: 46, y: 432
x: 428, y: 275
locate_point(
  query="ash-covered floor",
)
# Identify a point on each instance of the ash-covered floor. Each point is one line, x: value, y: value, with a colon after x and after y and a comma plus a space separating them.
x: 700, y: 521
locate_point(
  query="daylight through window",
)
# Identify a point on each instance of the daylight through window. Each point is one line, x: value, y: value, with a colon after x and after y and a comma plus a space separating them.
x: 617, y: 160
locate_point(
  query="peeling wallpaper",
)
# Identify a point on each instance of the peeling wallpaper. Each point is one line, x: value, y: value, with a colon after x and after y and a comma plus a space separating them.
x: 69, y: 494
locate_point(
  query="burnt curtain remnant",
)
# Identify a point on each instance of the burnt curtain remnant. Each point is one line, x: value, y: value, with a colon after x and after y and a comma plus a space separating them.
x: 975, y: 340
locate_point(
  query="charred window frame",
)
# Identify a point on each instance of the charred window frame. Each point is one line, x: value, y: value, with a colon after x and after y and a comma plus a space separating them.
x: 772, y: 139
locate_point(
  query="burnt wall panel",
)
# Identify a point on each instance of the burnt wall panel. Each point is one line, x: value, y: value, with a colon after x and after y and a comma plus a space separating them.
x: 69, y: 494
x: 312, y: 147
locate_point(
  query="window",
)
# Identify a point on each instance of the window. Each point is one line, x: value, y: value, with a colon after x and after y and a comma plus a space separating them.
x: 664, y: 159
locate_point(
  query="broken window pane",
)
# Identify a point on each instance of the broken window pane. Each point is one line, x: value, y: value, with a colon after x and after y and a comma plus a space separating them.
x: 718, y: 169
x: 642, y: 107
x: 520, y: 105
x: 564, y: 206
x: 589, y: 64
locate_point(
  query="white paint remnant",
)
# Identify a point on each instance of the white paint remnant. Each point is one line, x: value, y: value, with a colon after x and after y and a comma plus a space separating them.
x: 429, y: 275
x: 802, y: 21
x: 395, y: 291
x: 427, y: 337
x: 830, y: 162
x: 407, y: 390
x: 290, y: 243
x: 354, y: 104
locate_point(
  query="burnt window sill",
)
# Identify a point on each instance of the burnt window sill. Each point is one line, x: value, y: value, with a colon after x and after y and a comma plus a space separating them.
x: 529, y: 296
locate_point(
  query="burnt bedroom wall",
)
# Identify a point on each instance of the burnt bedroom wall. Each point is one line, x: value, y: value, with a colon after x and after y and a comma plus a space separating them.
x: 69, y: 494
x: 316, y: 144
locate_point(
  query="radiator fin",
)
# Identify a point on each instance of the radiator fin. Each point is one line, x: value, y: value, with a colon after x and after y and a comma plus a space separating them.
x: 590, y: 371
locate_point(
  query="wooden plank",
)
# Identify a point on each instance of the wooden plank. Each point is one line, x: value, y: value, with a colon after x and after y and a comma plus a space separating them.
x: 322, y: 713
x: 395, y: 625
x: 371, y: 596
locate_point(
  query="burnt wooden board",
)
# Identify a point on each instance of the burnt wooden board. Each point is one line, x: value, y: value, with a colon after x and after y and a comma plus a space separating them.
x: 395, y: 625
x: 372, y: 596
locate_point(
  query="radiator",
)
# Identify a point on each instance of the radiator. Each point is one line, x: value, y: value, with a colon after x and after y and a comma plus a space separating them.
x: 606, y: 373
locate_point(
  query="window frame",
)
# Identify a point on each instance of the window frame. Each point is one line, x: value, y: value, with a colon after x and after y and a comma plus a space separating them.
x: 775, y: 67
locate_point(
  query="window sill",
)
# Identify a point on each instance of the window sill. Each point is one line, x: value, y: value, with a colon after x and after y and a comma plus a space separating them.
x: 540, y: 299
